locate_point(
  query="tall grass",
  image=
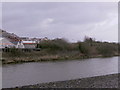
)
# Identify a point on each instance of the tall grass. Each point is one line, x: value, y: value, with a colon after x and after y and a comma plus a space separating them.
x: 89, y: 47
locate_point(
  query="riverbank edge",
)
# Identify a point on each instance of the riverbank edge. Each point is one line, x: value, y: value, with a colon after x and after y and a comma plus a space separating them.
x: 53, y: 58
x: 104, y: 81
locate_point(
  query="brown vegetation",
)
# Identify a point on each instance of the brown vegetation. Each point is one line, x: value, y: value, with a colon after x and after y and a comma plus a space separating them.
x: 59, y: 49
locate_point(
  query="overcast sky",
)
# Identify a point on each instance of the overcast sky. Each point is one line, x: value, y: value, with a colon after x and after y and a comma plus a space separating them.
x: 69, y: 20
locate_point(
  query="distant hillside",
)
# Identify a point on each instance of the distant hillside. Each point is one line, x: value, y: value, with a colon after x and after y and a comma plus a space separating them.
x: 9, y: 36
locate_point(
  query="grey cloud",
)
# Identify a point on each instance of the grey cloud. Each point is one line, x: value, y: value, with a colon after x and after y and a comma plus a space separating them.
x: 70, y: 19
x: 0, y: 15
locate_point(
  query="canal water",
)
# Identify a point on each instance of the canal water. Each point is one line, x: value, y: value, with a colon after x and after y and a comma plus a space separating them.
x: 40, y: 72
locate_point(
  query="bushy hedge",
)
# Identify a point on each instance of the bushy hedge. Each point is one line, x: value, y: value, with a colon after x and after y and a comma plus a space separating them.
x: 88, y: 47
x: 107, y: 49
x: 15, y: 51
x: 55, y: 45
x: 84, y: 48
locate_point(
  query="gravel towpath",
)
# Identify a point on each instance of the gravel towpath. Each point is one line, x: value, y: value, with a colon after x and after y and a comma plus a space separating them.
x: 106, y: 81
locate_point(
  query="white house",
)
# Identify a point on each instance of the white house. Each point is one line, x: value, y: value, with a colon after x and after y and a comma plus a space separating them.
x: 20, y: 45
x: 29, y: 44
x: 11, y: 40
x: 6, y: 43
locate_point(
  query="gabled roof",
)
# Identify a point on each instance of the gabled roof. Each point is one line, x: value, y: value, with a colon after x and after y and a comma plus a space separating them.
x: 4, y: 41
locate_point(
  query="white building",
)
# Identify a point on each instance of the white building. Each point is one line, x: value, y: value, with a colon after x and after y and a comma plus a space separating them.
x: 20, y: 45
x: 6, y: 43
x: 29, y: 44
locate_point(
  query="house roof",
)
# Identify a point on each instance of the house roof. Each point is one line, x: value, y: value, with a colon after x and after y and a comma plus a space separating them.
x: 10, y: 37
x: 4, y: 41
x: 29, y: 42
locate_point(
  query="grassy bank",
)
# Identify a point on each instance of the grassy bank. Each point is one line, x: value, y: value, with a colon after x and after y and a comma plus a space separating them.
x: 59, y: 49
x: 36, y: 57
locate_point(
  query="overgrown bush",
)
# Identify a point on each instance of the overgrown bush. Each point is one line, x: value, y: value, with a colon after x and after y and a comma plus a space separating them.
x: 54, y: 45
x: 84, y: 48
x: 119, y: 48
x: 106, y: 50
x: 15, y: 51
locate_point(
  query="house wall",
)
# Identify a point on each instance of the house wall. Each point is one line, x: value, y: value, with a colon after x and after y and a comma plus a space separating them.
x: 20, y: 45
x: 29, y: 45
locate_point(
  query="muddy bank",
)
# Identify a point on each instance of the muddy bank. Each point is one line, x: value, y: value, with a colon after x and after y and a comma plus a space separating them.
x: 15, y: 60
